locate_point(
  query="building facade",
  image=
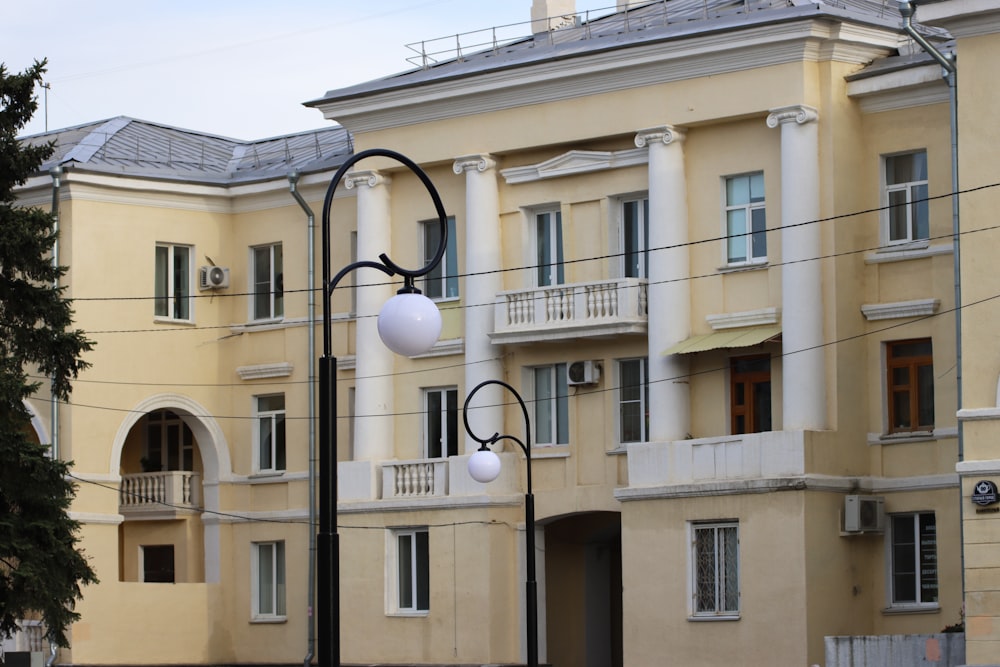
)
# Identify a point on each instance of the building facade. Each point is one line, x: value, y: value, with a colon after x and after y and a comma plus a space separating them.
x: 712, y: 248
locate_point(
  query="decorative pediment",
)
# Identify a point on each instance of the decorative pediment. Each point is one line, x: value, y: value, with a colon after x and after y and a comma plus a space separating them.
x: 576, y: 162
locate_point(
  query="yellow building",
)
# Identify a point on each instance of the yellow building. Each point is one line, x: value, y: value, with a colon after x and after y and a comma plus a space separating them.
x: 711, y: 246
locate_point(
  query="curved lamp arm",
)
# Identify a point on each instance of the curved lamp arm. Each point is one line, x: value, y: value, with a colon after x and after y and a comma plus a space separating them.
x: 485, y: 456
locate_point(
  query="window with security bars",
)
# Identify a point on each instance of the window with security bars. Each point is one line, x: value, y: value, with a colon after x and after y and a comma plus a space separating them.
x: 716, y: 569
x: 914, y: 559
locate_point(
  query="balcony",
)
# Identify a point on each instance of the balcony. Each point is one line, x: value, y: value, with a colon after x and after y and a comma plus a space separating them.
x: 579, y: 310
x: 159, y: 495
x: 415, y: 479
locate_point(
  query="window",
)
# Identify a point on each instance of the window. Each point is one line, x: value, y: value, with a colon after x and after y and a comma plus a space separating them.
x: 746, y: 231
x: 635, y: 238
x: 716, y: 569
x: 441, y: 422
x: 268, y: 580
x: 442, y: 282
x: 270, y: 443
x: 906, y: 216
x: 910, y: 385
x: 172, y: 290
x: 268, y: 282
x: 549, y: 247
x: 157, y: 563
x: 750, y: 394
x: 412, y: 570
x: 551, y: 405
x: 633, y: 401
x: 169, y: 443
x: 913, y: 558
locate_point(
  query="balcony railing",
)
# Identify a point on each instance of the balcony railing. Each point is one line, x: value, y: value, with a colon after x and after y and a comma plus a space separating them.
x: 578, y: 310
x: 160, y: 492
x: 414, y: 479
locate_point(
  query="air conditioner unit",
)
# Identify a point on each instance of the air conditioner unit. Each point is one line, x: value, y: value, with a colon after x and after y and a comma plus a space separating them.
x: 583, y: 372
x: 213, y: 277
x: 864, y: 514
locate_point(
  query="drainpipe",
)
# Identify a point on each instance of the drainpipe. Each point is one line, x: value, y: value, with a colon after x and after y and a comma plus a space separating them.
x: 906, y: 10
x: 56, y: 173
x: 293, y: 179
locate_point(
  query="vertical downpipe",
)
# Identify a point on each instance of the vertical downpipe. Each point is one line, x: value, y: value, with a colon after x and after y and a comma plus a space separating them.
x: 56, y: 173
x: 293, y: 179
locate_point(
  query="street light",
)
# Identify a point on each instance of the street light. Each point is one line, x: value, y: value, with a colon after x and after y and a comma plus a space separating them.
x: 409, y: 324
x: 484, y: 466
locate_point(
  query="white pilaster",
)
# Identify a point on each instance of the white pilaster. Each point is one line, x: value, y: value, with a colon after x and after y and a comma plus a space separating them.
x: 804, y: 374
x: 373, y: 429
x: 669, y: 287
x: 482, y: 267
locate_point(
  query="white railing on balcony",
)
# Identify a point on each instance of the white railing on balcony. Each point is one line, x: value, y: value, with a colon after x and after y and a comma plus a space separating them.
x: 412, y: 479
x: 160, y: 491
x: 569, y: 311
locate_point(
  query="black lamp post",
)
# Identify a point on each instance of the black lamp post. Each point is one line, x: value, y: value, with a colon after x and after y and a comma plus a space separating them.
x: 484, y: 466
x: 408, y: 324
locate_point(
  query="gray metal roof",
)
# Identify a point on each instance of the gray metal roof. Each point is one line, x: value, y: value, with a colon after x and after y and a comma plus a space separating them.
x: 487, y: 50
x: 133, y: 147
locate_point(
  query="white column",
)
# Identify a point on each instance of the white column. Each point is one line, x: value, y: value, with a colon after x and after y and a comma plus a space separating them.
x: 669, y: 287
x: 373, y: 404
x: 483, y: 282
x: 804, y: 374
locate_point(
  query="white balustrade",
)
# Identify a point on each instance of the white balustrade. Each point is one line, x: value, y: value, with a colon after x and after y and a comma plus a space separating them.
x: 409, y: 479
x: 160, y: 491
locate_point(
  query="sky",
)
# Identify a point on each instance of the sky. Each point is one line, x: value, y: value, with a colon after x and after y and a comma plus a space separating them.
x: 239, y: 69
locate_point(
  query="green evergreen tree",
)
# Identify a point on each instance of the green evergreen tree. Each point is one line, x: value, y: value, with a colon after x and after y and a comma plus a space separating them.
x: 42, y: 568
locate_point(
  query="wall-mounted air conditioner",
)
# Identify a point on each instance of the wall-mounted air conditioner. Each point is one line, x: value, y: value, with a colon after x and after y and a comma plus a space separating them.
x: 864, y: 514
x: 583, y: 372
x: 213, y: 277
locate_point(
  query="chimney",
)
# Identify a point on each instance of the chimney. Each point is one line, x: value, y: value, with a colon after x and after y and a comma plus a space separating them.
x: 552, y: 14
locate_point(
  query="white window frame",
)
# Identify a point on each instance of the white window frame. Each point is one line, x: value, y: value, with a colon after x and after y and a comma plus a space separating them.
x: 276, y: 583
x: 442, y: 420
x: 273, y: 297
x: 641, y: 269
x: 917, y: 572
x: 642, y: 401
x: 546, y: 430
x: 177, y: 293
x: 720, y: 570
x: 549, y: 271
x: 443, y: 286
x: 748, y: 209
x: 906, y: 187
x: 401, y: 601
x: 276, y: 418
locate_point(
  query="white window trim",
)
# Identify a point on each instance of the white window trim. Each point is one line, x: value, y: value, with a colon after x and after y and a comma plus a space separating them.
x: 909, y: 243
x: 643, y: 401
x: 617, y: 234
x: 259, y: 415
x: 425, y: 445
x: 252, y: 287
x: 751, y: 261
x: 531, y: 241
x: 904, y: 607
x: 694, y: 615
x: 170, y: 282
x: 392, y: 571
x: 446, y: 270
x: 255, y: 613
x: 528, y: 394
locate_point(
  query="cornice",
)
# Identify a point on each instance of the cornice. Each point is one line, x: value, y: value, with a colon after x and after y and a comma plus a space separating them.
x: 900, y: 309
x: 962, y: 18
x: 746, y: 318
x: 901, y: 89
x: 632, y: 66
x: 261, y: 371
x: 576, y: 162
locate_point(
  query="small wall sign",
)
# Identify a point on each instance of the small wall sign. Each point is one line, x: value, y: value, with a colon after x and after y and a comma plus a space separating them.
x: 985, y: 493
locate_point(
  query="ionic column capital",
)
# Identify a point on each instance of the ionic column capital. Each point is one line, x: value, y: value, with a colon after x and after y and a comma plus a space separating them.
x: 480, y: 163
x: 798, y: 113
x: 666, y: 134
x: 368, y: 177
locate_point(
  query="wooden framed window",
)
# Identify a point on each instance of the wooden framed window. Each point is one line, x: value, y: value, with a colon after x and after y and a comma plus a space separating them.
x: 910, y: 385
x: 750, y: 394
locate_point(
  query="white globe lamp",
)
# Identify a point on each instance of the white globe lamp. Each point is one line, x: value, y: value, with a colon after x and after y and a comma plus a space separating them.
x: 484, y: 465
x: 409, y: 324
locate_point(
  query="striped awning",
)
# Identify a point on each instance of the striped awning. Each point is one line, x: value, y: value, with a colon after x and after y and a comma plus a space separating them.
x: 738, y: 337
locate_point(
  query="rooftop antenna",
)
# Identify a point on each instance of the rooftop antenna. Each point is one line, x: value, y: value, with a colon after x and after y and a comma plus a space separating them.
x: 46, y: 86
